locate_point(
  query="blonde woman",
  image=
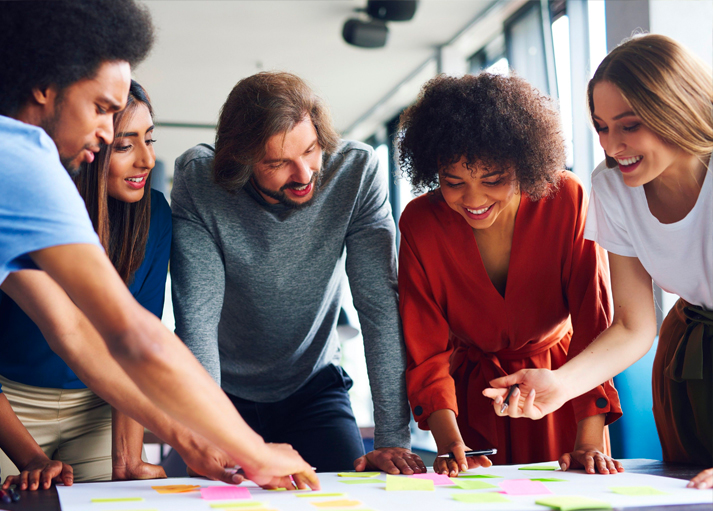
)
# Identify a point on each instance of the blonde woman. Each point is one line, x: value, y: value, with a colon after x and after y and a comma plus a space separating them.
x: 651, y: 102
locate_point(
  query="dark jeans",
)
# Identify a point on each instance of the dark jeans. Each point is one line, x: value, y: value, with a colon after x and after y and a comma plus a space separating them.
x: 317, y: 420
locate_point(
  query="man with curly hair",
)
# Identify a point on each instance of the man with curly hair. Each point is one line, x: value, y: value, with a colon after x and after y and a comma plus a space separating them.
x: 495, y: 273
x: 65, y: 70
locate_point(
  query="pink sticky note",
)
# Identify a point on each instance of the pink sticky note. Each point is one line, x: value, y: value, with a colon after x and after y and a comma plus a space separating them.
x: 524, y: 487
x: 438, y: 479
x: 224, y: 493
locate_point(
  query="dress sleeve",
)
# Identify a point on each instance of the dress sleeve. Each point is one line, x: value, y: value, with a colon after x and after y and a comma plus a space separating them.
x: 371, y: 268
x: 197, y: 275
x: 586, y: 285
x: 428, y: 381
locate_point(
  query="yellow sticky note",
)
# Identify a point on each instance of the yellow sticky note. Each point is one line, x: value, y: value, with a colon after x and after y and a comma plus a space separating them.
x: 337, y: 503
x: 358, y: 474
x: 473, y: 485
x: 539, y: 467
x: 402, y: 483
x: 636, y: 490
x: 124, y: 499
x: 479, y: 498
x: 572, y: 503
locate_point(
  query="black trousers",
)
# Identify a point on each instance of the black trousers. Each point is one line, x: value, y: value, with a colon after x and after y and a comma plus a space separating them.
x: 317, y: 420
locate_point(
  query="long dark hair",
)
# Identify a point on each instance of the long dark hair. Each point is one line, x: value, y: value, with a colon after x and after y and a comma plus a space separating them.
x: 123, y: 227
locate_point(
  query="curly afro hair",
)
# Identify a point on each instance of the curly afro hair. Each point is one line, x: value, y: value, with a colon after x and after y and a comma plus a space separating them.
x: 492, y: 120
x: 44, y: 43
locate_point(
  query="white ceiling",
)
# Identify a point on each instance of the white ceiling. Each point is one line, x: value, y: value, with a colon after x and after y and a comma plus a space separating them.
x: 204, y: 47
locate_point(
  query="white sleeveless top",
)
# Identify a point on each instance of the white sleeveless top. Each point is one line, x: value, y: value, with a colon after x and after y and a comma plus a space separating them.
x: 678, y: 256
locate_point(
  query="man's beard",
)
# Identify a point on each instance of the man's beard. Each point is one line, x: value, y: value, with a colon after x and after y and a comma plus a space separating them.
x: 281, y: 196
x: 50, y: 127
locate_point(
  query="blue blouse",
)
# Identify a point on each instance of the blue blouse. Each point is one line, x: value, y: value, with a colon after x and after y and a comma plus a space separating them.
x: 25, y: 356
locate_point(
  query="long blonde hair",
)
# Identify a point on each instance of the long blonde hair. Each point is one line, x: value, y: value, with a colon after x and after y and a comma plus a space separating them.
x: 667, y: 86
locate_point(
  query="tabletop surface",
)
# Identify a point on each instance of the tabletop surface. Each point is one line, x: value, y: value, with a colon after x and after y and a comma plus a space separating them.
x: 47, y: 500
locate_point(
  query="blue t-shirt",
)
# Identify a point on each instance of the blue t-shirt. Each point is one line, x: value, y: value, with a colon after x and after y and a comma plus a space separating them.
x: 39, y: 205
x: 25, y: 356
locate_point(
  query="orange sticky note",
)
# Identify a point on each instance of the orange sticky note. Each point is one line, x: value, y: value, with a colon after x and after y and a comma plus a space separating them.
x: 176, y: 488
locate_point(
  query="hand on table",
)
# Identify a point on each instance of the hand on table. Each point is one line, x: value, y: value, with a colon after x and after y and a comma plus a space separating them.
x: 283, y: 467
x: 206, y: 460
x: 540, y: 392
x: 702, y: 481
x: 40, y: 473
x: 392, y: 460
x: 451, y: 467
x: 591, y: 460
x: 137, y: 469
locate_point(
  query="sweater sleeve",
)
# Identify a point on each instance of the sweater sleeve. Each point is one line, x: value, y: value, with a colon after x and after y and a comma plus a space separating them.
x: 371, y: 268
x: 586, y: 285
x: 430, y: 385
x: 197, y: 269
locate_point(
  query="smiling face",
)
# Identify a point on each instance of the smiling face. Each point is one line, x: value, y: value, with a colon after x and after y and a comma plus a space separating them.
x: 642, y: 156
x: 79, y: 118
x: 289, y: 172
x: 132, y: 156
x: 483, y: 196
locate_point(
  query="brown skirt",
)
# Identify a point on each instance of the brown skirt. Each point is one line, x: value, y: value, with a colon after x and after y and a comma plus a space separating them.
x: 683, y: 385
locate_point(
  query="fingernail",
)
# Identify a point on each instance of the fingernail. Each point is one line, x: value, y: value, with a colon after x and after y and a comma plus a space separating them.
x: 563, y: 466
x: 531, y: 392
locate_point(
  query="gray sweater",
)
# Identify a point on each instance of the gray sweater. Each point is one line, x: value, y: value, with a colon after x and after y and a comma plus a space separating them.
x: 257, y: 287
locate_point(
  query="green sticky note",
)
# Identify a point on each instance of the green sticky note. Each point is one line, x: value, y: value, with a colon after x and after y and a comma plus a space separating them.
x: 479, y: 498
x: 538, y: 467
x: 363, y: 481
x: 636, y: 490
x: 478, y: 476
x: 317, y: 495
x: 238, y: 505
x: 473, y: 485
x: 358, y: 474
x: 124, y: 499
x: 572, y: 503
x: 548, y: 479
x: 402, y: 483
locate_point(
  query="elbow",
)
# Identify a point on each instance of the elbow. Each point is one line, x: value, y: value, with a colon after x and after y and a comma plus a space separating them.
x: 136, y: 345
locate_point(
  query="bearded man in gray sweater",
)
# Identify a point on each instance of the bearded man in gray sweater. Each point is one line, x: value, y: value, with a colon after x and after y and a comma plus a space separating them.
x: 265, y: 226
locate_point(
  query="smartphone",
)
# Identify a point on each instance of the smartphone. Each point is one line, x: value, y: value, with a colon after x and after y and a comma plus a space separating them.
x: 470, y: 454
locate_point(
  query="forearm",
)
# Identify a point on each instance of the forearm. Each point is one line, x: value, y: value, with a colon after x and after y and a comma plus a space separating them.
x: 444, y: 428
x: 127, y: 439
x: 590, y: 433
x: 613, y: 351
x: 15, y: 440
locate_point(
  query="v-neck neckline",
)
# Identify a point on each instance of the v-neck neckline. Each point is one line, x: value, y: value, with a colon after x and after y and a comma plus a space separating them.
x: 483, y: 272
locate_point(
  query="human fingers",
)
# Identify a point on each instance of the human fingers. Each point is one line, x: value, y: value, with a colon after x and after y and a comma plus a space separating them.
x: 565, y: 461
x: 67, y: 475
x: 48, y: 473
x: 514, y: 409
x: 611, y: 466
x: 703, y: 480
x: 588, y: 463
x: 440, y: 466
x: 24, y: 480
x: 33, y: 479
x: 308, y: 478
x: 529, y: 409
x: 10, y: 480
x: 600, y: 463
x: 618, y: 466
x: 484, y: 461
x: 458, y: 451
x: 410, y: 459
x: 505, y: 382
x: 402, y: 465
x: 360, y: 463
x: 453, y: 468
x: 419, y: 463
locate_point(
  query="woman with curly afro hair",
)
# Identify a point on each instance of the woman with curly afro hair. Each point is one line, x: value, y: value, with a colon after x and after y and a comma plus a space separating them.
x: 495, y: 274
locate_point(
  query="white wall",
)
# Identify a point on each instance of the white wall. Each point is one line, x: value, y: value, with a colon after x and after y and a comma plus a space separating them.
x: 690, y: 22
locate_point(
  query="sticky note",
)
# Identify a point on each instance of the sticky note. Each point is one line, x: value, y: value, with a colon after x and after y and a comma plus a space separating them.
x: 539, y: 467
x: 124, y: 499
x: 316, y: 495
x: 400, y: 483
x: 572, y: 503
x: 363, y: 481
x: 636, y: 490
x: 438, y: 479
x: 524, y: 487
x: 479, y: 498
x: 337, y: 503
x: 473, y: 485
x: 548, y: 479
x: 176, y: 488
x: 358, y: 474
x: 276, y: 489
x: 239, y: 505
x: 479, y: 476
x: 224, y: 493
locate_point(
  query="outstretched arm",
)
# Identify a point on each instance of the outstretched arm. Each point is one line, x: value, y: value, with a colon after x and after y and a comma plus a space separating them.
x: 158, y: 363
x: 627, y: 340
